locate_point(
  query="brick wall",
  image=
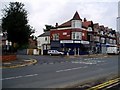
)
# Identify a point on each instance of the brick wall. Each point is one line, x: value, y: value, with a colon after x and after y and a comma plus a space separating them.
x: 8, y: 58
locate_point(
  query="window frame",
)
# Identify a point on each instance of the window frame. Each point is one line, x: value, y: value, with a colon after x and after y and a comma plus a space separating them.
x: 55, y: 36
x: 76, y: 36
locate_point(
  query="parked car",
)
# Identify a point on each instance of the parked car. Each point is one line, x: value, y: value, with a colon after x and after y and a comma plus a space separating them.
x: 55, y: 52
x: 113, y: 50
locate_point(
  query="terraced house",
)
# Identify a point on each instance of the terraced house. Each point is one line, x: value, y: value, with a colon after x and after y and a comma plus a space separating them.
x: 104, y: 37
x: 77, y: 36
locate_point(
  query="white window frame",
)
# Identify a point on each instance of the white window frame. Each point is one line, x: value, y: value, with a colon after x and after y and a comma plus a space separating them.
x: 102, y: 40
x: 114, y: 41
x: 97, y: 38
x: 76, y: 35
x: 56, y: 36
x: 89, y: 29
x: 76, y: 24
x: 111, y: 41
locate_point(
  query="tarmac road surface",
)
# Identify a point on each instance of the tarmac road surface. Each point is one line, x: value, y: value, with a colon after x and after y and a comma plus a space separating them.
x: 63, y: 73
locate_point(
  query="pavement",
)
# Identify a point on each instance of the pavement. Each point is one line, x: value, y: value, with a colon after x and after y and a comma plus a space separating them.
x: 27, y: 62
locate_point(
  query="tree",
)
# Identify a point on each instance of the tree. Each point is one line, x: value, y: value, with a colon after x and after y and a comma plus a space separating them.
x: 15, y: 22
x: 48, y: 27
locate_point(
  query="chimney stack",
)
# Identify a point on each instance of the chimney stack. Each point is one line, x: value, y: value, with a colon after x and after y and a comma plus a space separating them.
x: 85, y: 19
x: 56, y: 25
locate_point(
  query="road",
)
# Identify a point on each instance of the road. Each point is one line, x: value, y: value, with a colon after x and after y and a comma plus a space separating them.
x: 57, y: 72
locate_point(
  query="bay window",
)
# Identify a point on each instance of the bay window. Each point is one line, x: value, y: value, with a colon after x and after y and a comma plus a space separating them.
x: 76, y: 35
x: 76, y: 24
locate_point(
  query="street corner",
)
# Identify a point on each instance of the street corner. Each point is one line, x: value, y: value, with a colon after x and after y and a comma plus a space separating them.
x: 18, y: 64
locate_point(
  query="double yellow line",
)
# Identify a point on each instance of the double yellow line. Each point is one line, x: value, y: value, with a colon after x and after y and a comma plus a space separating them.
x: 103, y: 85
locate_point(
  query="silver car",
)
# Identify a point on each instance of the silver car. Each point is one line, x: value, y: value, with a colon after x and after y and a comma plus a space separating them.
x: 55, y: 52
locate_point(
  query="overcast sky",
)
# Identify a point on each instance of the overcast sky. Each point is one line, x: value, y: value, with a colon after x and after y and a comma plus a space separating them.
x: 42, y: 12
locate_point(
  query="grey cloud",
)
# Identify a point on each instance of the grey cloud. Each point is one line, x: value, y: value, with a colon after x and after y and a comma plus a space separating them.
x: 50, y: 12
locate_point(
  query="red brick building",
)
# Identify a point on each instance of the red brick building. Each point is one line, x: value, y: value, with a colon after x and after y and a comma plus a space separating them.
x: 70, y: 37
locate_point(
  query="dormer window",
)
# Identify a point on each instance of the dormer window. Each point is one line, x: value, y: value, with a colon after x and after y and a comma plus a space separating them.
x: 89, y: 29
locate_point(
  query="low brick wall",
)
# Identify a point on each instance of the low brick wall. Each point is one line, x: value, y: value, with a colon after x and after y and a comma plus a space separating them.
x: 6, y: 58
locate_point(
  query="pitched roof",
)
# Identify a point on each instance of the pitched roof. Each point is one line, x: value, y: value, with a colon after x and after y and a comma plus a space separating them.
x: 68, y: 23
x: 47, y: 33
x: 86, y: 24
x: 76, y: 16
x: 102, y: 27
x: 96, y: 25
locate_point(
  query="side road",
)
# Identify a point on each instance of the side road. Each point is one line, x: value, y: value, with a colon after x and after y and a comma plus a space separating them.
x: 26, y: 60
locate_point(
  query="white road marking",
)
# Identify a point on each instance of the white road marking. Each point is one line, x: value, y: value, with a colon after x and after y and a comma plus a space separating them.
x: 71, y: 69
x: 30, y: 75
x: 101, y: 64
x: 85, y: 62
